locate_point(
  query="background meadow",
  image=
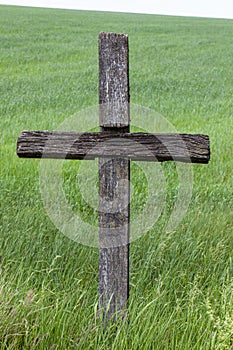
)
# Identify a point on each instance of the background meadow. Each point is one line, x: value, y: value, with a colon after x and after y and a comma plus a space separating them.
x: 181, y: 283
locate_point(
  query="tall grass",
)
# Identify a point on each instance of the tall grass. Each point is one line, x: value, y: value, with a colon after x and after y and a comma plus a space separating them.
x: 181, y: 283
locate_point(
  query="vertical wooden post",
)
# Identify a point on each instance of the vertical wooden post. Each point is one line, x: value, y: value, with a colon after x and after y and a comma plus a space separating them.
x: 114, y: 176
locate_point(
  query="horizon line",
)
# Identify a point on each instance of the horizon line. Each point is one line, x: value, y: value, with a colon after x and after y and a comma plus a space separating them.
x: 125, y: 12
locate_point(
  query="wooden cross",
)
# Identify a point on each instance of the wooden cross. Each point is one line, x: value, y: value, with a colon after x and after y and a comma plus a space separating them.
x: 116, y: 147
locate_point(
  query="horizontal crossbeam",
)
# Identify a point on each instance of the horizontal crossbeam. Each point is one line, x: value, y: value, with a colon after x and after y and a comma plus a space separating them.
x: 193, y: 148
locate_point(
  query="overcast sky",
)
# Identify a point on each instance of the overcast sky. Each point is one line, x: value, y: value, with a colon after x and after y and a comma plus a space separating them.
x: 200, y: 8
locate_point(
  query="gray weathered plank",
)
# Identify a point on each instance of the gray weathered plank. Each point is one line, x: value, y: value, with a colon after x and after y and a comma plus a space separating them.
x: 113, y: 80
x: 193, y: 148
x: 114, y: 176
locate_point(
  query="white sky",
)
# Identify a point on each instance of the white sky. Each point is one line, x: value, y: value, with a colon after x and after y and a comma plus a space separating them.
x: 199, y: 8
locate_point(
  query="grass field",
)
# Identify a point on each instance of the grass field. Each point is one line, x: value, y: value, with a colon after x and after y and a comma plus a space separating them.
x: 181, y: 283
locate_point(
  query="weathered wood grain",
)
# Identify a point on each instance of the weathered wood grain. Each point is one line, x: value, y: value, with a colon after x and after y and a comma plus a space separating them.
x: 193, y: 148
x: 113, y: 80
x: 114, y: 176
